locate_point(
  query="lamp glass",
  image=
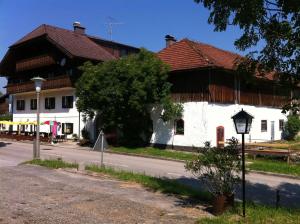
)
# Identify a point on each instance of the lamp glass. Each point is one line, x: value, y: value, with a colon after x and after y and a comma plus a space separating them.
x: 249, y: 122
x: 240, y: 125
x: 38, y: 83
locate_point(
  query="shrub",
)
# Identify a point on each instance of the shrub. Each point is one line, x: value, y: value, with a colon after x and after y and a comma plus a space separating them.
x: 218, y: 168
x: 292, y: 126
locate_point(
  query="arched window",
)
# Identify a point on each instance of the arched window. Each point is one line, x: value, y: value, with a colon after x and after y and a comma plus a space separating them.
x: 179, y: 127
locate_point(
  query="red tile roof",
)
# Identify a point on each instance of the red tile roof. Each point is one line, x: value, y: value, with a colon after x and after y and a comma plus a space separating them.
x: 187, y: 54
x: 78, y: 45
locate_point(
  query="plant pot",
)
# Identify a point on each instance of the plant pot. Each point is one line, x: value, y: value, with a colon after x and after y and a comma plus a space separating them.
x: 219, y: 204
x: 229, y: 200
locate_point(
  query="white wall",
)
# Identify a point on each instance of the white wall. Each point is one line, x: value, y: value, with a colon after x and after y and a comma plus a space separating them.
x: 59, y: 114
x: 202, y: 118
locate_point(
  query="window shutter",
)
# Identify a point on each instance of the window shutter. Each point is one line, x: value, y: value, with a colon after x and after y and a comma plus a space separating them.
x: 63, y: 102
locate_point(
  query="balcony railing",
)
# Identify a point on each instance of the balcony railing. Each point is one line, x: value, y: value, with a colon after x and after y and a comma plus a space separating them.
x: 53, y: 83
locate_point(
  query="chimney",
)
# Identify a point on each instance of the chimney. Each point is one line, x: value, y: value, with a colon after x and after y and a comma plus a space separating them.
x: 78, y: 28
x: 169, y: 40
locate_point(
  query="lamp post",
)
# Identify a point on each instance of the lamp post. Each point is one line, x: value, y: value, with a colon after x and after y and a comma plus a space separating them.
x: 38, y: 86
x: 242, y: 122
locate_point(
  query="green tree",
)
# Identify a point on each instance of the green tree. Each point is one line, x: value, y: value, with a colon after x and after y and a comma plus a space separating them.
x: 123, y: 92
x: 292, y: 126
x: 275, y: 24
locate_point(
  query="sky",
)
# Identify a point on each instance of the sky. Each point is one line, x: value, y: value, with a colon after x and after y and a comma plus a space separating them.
x: 144, y: 23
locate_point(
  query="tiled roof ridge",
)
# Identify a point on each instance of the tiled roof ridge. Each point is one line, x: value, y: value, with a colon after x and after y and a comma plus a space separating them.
x: 209, y: 59
x: 217, y: 48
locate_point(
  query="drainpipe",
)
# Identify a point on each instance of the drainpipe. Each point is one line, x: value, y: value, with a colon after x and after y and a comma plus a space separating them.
x: 79, y: 125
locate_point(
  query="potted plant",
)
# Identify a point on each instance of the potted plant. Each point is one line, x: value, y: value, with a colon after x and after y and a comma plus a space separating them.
x: 219, y: 170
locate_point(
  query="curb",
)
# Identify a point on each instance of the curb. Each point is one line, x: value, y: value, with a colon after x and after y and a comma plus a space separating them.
x: 274, y: 174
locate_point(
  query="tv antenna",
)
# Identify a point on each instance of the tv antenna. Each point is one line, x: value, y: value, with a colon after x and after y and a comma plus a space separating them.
x: 111, y: 22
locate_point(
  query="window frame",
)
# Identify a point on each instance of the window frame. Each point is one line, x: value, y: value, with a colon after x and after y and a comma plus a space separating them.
x: 176, y: 131
x: 48, y: 103
x: 264, y: 125
x: 281, y: 124
x: 20, y: 105
x: 33, y: 104
x: 67, y: 102
x: 64, y: 128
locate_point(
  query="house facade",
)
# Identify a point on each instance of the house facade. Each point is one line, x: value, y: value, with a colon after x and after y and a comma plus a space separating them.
x: 205, y: 81
x: 54, y: 54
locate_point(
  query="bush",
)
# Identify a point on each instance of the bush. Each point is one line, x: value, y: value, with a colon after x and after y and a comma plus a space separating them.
x: 85, y: 134
x: 292, y: 126
x: 218, y: 168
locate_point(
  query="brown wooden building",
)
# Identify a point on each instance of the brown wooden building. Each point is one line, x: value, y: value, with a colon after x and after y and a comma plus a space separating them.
x: 54, y: 54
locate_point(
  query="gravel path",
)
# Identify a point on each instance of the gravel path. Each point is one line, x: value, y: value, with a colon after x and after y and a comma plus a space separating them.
x: 31, y: 194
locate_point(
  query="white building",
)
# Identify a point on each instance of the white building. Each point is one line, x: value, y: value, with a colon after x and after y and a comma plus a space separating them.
x: 205, y: 82
x: 54, y: 54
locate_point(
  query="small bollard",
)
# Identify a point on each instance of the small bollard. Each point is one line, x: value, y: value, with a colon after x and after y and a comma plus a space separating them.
x: 81, y: 166
x: 277, y: 198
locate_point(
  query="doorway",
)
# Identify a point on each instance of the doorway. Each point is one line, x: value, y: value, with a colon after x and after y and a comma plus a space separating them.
x: 272, y: 130
x: 220, y: 137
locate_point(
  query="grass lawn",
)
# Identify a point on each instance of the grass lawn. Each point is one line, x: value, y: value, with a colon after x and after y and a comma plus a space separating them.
x: 160, y: 153
x: 274, y: 166
x: 256, y: 214
x: 53, y: 164
x: 154, y: 183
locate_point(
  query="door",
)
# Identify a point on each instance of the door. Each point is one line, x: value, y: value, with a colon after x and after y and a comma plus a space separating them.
x: 220, y: 136
x: 272, y: 130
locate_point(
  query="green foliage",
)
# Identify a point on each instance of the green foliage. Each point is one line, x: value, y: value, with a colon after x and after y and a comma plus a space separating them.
x: 274, y: 166
x: 292, y: 126
x: 85, y: 134
x: 274, y: 25
x: 53, y: 164
x: 171, y: 111
x: 122, y: 91
x: 6, y: 117
x: 163, y: 185
x: 219, y: 168
x: 159, y: 153
x: 255, y: 214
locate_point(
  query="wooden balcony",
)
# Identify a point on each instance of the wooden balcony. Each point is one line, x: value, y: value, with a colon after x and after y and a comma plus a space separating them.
x: 53, y: 83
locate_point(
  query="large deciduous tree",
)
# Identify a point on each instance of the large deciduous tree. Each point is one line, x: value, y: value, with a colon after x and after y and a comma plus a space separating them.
x: 122, y: 92
x: 274, y: 24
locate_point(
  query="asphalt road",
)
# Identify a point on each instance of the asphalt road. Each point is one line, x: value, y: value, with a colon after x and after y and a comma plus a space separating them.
x: 34, y: 195
x: 260, y: 188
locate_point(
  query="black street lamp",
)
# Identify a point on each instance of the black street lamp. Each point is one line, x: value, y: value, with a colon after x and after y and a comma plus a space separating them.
x: 242, y: 122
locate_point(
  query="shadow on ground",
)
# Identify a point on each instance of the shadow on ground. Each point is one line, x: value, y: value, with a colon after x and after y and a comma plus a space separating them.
x: 3, y: 144
x: 289, y: 194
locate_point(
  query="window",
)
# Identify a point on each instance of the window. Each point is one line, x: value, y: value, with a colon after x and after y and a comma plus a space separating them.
x: 123, y: 52
x: 67, y: 128
x: 20, y: 104
x: 50, y: 103
x: 281, y: 124
x: 264, y: 125
x: 33, y: 104
x: 22, y: 128
x: 179, y: 127
x: 32, y: 128
x: 67, y: 102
